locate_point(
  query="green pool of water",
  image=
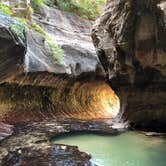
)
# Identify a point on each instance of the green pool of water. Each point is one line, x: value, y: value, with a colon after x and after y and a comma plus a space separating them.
x: 128, y: 149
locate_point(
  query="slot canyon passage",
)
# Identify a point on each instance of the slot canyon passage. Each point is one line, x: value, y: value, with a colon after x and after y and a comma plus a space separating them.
x: 61, y: 75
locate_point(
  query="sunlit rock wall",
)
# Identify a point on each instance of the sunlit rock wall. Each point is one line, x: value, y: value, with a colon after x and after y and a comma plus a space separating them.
x: 36, y: 99
x: 37, y: 95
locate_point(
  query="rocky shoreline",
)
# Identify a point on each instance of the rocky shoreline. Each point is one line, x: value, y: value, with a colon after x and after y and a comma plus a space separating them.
x: 31, y: 143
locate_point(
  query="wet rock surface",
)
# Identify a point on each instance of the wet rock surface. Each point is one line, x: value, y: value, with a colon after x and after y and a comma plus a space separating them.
x: 31, y: 143
x: 5, y: 130
x: 59, y: 155
x: 130, y: 41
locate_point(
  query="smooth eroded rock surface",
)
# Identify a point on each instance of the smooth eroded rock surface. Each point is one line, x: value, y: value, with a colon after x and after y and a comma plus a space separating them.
x: 34, y: 99
x: 72, y: 33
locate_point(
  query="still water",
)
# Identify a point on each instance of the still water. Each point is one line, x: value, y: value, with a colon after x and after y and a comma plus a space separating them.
x: 128, y: 149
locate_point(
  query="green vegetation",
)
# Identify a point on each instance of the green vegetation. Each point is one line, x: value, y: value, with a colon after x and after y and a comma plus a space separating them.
x: 20, y: 23
x: 17, y: 28
x: 88, y: 9
x: 55, y: 50
x: 37, y: 3
x: 36, y: 27
x: 5, y: 9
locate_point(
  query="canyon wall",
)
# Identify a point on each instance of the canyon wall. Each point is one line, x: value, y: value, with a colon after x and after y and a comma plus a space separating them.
x: 36, y: 86
x: 71, y: 33
x: 130, y: 40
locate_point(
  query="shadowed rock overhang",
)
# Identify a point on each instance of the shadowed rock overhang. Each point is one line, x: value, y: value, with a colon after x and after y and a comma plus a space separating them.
x: 130, y: 40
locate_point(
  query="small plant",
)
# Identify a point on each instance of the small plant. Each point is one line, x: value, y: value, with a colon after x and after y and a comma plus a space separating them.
x: 88, y: 9
x: 36, y: 27
x: 22, y: 21
x: 5, y: 9
x: 55, y: 50
x: 37, y: 3
x: 17, y: 28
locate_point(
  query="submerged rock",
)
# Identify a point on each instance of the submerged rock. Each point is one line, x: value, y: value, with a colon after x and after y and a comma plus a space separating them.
x: 130, y: 39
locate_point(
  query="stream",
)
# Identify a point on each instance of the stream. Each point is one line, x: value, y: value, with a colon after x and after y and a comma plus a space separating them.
x: 127, y: 149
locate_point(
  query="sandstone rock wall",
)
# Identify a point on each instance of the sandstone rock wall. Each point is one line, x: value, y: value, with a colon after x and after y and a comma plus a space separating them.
x: 131, y: 36
x: 31, y: 89
x: 72, y: 33
x: 130, y: 40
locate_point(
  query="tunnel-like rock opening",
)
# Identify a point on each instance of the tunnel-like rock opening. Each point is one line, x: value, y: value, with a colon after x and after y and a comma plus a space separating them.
x: 34, y: 99
x: 40, y: 95
x: 87, y: 100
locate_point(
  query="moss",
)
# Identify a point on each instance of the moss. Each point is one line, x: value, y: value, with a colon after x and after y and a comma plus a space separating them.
x: 55, y: 50
x: 22, y: 21
x: 36, y: 27
x: 17, y: 28
x: 5, y: 9
x: 37, y: 3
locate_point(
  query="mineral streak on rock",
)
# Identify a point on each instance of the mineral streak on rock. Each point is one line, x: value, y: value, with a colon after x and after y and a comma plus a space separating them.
x: 130, y: 36
x: 37, y: 99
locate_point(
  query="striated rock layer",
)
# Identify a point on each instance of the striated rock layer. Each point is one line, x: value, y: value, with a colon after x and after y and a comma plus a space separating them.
x: 130, y: 39
x: 34, y: 100
x: 42, y: 98
x: 34, y: 96
x: 70, y: 32
x: 65, y: 97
